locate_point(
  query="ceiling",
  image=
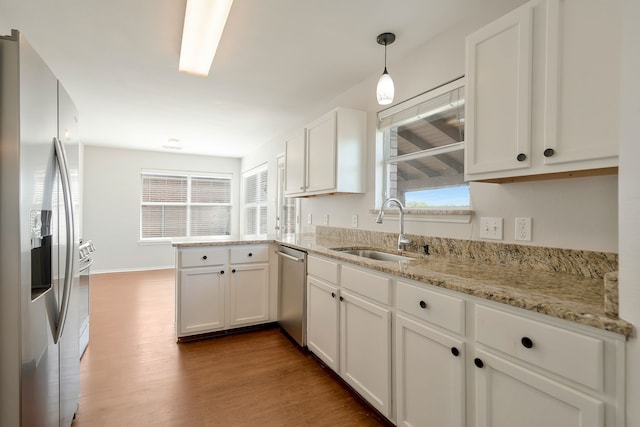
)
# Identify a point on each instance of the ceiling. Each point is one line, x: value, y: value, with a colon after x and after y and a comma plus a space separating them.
x: 277, y: 63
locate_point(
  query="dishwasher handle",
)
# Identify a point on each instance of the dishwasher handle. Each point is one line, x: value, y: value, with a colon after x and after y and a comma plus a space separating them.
x: 290, y: 257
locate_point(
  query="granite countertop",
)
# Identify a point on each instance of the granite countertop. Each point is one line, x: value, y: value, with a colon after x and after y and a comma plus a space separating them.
x: 566, y: 296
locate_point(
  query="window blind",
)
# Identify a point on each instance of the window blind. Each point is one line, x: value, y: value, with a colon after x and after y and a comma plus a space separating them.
x: 174, y: 205
x: 254, y: 186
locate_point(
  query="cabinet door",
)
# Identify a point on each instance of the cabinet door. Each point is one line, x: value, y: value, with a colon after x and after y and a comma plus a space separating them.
x: 201, y: 300
x: 508, y: 394
x: 582, y: 124
x: 498, y: 89
x: 365, y: 349
x: 323, y: 311
x: 321, y: 154
x: 248, y: 294
x: 430, y: 380
x: 295, y: 164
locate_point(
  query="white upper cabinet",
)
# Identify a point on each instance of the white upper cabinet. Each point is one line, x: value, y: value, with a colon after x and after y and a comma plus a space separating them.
x: 329, y: 157
x: 295, y: 164
x: 543, y: 93
x: 498, y: 111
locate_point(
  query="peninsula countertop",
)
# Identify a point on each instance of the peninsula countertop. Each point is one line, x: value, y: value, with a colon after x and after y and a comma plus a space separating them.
x: 566, y: 296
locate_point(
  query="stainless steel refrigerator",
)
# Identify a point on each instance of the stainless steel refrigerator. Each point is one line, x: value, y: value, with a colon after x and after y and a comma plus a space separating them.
x: 39, y: 193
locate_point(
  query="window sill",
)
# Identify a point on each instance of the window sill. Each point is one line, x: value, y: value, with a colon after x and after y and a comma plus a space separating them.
x: 459, y: 216
x: 154, y: 242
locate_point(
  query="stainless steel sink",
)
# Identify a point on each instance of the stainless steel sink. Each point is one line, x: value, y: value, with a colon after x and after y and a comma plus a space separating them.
x: 371, y: 254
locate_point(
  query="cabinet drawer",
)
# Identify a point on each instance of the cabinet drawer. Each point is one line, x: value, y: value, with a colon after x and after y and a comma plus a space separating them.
x: 569, y: 354
x: 323, y: 269
x: 435, y: 307
x: 202, y: 256
x: 367, y: 284
x: 249, y: 253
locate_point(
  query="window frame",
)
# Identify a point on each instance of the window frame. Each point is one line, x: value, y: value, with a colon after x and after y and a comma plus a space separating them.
x: 189, y: 175
x: 401, y: 114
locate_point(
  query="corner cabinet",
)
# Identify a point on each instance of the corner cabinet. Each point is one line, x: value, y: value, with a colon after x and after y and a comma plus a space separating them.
x: 328, y: 157
x: 537, y: 102
x: 219, y: 288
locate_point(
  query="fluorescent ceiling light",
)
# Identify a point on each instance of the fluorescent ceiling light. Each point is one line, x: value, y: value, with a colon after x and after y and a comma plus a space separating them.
x: 204, y: 22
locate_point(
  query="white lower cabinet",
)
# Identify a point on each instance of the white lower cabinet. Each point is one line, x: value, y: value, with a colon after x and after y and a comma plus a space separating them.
x: 365, y: 349
x: 426, y: 356
x: 508, y: 394
x: 248, y: 294
x: 221, y: 287
x: 430, y: 376
x: 323, y: 321
x: 201, y: 296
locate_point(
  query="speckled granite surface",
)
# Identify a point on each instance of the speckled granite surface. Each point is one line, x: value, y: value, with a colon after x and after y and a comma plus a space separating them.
x: 574, y: 297
x: 611, y: 294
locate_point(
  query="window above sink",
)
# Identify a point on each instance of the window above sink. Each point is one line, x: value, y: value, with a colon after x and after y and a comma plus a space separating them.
x: 420, y: 153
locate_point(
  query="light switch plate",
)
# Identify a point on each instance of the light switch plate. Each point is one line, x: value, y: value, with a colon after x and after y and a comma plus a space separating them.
x: 309, y: 219
x: 326, y: 219
x: 491, y: 228
x: 354, y: 221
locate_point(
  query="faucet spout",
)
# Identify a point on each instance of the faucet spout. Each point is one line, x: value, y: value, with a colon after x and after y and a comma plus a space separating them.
x: 402, y: 239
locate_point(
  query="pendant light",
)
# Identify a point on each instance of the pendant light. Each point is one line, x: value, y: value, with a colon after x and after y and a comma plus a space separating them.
x: 385, y: 89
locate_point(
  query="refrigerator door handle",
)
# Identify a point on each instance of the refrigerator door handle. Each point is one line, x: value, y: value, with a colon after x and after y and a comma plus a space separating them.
x: 61, y: 159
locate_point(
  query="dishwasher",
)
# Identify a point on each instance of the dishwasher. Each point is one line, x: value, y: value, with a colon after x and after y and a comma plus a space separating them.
x: 292, y: 293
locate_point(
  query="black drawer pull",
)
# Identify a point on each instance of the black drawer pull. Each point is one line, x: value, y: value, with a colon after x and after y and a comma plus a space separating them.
x: 204, y: 257
x: 478, y: 362
x: 521, y: 157
x: 221, y: 271
x: 526, y: 342
x: 233, y: 271
x: 341, y: 299
x: 455, y: 351
x: 423, y: 304
x: 549, y: 152
x: 250, y: 254
x: 333, y: 294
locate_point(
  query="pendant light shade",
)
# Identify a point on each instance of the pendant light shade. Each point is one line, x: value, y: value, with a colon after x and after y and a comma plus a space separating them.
x: 385, y: 89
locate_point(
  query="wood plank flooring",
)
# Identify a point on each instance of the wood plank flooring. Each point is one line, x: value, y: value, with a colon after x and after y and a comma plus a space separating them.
x: 135, y: 374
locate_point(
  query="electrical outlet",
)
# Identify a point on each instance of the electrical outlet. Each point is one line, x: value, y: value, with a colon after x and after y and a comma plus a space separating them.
x: 523, y: 229
x: 354, y: 221
x: 326, y: 219
x: 491, y: 228
x: 309, y: 219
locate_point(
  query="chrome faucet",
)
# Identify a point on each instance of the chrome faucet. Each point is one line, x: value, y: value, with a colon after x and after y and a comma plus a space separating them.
x: 402, y: 239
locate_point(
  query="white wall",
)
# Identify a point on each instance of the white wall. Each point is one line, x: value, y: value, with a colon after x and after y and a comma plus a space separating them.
x: 574, y: 213
x: 629, y: 279
x: 111, y: 211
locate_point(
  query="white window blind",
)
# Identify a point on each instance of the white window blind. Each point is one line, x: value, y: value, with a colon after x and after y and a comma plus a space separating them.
x: 254, y: 187
x: 176, y: 204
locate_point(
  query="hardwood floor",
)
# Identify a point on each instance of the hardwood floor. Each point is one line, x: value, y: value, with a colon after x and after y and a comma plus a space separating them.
x: 135, y: 374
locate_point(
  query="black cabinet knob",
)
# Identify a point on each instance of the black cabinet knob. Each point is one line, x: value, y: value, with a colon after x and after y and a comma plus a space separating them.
x: 423, y: 304
x: 221, y: 271
x: 333, y: 294
x: 478, y: 362
x: 233, y: 271
x: 455, y: 351
x: 341, y: 299
x: 250, y: 254
x: 526, y: 342
x: 204, y: 257
x: 549, y: 152
x: 521, y: 157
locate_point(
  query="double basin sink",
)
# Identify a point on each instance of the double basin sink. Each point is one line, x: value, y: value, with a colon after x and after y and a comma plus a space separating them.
x: 373, y: 254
